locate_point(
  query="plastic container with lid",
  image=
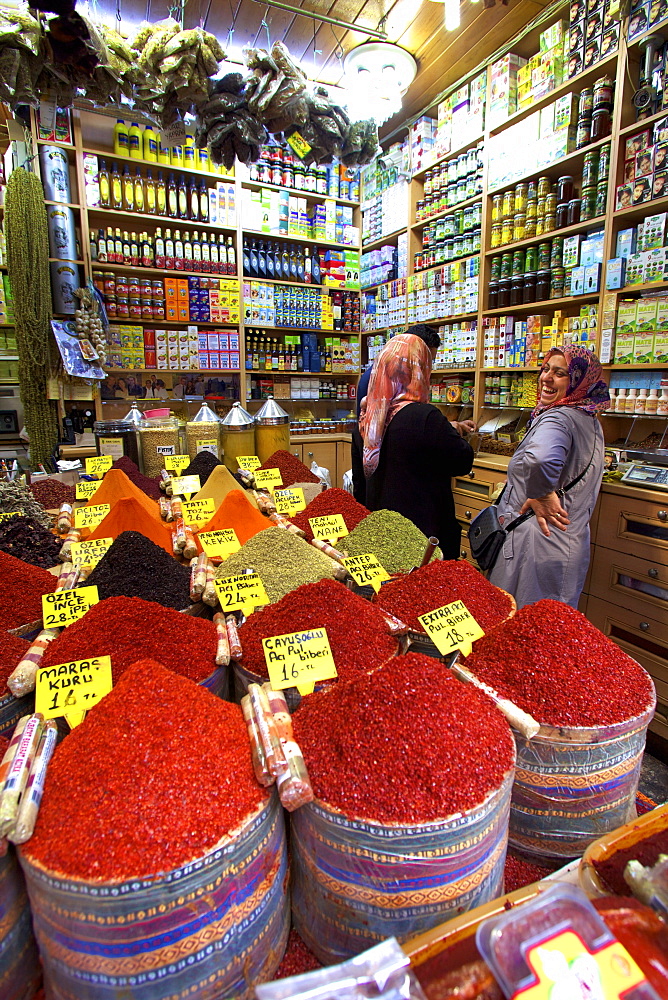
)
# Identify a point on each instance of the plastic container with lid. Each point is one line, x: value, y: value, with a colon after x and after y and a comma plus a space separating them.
x: 272, y: 430
x: 203, y: 432
x: 158, y: 437
x: 238, y: 435
x: 116, y: 438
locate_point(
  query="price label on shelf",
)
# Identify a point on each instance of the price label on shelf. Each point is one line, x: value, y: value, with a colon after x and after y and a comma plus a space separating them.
x: 85, y: 490
x: 207, y: 445
x: 268, y: 479
x: 250, y: 462
x: 89, y: 553
x: 452, y: 627
x: 66, y: 606
x: 98, y: 465
x: 219, y: 544
x: 298, y: 143
x: 176, y: 463
x: 185, y: 485
x: 245, y: 592
x: 299, y: 659
x: 328, y: 527
x: 289, y: 501
x: 70, y: 689
x: 91, y: 516
x: 366, y: 569
x: 198, y: 511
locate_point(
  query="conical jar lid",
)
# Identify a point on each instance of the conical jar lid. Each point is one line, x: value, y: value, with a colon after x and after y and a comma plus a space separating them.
x: 206, y: 415
x: 134, y: 415
x: 271, y: 413
x: 238, y: 418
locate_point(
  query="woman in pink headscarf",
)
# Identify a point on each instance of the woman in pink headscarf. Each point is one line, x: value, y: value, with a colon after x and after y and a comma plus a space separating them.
x: 405, y: 451
x: 548, y: 555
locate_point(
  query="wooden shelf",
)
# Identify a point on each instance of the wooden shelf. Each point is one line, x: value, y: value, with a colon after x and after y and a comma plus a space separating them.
x: 171, y: 371
x: 63, y: 260
x: 453, y: 371
x: 649, y: 286
x: 62, y: 204
x: 291, y: 284
x: 449, y: 319
x: 447, y: 156
x: 303, y: 329
x: 645, y: 123
x: 545, y: 303
x: 299, y: 239
x: 505, y: 368
x: 382, y: 240
x: 155, y: 220
x: 634, y: 212
x: 203, y: 175
x: 173, y: 322
x: 578, y: 227
x: 572, y: 160
x: 61, y: 145
x: 309, y: 195
x: 626, y: 368
x: 447, y: 211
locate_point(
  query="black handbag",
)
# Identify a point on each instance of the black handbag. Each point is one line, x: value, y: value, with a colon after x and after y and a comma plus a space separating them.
x: 486, y: 533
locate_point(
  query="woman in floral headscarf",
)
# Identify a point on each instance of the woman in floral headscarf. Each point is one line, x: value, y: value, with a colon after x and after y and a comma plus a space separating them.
x: 548, y: 555
x: 405, y: 451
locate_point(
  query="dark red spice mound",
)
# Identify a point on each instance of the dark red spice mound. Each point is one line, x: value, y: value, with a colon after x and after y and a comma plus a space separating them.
x: 611, y: 869
x: 332, y: 501
x: 30, y: 541
x: 357, y: 631
x: 518, y: 873
x: 148, y: 486
x: 406, y: 744
x: 297, y: 959
x: 292, y: 470
x: 12, y: 649
x: 21, y: 591
x: 50, y: 493
x: 125, y: 627
x: 120, y: 800
x: 557, y: 666
x: 439, y: 583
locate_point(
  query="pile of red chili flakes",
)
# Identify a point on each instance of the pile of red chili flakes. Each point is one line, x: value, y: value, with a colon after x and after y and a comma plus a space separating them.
x: 156, y: 774
x: 561, y: 669
x: 406, y: 744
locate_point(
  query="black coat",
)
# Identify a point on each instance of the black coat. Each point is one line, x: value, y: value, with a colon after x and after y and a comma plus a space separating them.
x: 420, y: 453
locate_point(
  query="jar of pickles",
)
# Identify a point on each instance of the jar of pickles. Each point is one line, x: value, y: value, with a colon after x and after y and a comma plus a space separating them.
x: 521, y: 198
x: 508, y: 204
x: 507, y: 231
x: 497, y: 209
x: 518, y: 227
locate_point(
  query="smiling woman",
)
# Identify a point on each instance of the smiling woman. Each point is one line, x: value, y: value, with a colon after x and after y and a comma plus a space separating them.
x: 548, y: 555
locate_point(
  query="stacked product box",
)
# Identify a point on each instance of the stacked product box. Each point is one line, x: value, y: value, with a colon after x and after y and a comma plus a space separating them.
x: 385, y: 307
x: 544, y: 71
x: 422, y: 134
x: 458, y: 345
x: 285, y: 305
x: 641, y: 332
x: 461, y: 118
x: 503, y: 99
x: 593, y: 33
x: 446, y: 291
x: 520, y: 389
x: 218, y: 350
x: 519, y: 342
x: 644, y: 15
x: 641, y: 254
x: 287, y: 213
x: 340, y: 268
x: 379, y: 265
x: 9, y: 363
x: 385, y: 212
x: 645, y: 166
x: 375, y: 343
x: 582, y: 261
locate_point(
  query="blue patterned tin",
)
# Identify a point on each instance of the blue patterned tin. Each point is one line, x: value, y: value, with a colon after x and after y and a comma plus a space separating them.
x: 20, y: 972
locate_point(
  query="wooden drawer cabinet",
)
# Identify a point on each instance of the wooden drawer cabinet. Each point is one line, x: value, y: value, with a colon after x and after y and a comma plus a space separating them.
x: 479, y: 483
x: 639, y: 527
x: 632, y: 582
x: 643, y: 638
x: 466, y: 508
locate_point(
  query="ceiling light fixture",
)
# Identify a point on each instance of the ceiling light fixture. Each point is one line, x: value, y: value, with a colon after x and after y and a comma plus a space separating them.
x: 377, y: 75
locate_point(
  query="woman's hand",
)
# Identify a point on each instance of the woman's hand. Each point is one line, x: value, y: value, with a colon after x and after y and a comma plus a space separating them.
x: 548, y: 511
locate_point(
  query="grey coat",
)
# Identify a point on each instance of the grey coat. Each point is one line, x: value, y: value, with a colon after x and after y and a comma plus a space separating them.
x: 554, y: 451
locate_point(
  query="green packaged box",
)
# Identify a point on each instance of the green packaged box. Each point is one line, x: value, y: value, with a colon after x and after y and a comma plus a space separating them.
x: 626, y: 317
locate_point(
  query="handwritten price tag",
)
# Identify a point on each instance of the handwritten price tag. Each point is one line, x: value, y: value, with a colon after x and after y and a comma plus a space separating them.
x: 268, y: 479
x: 85, y: 490
x: 250, y: 462
x: 91, y: 516
x: 89, y: 553
x: 70, y: 689
x: 366, y: 569
x: 198, y: 511
x: 452, y: 627
x: 289, y: 501
x: 207, y: 445
x: 299, y: 144
x: 185, y: 485
x: 11, y: 513
x: 219, y: 544
x: 329, y: 527
x: 66, y: 606
x: 177, y: 463
x: 245, y: 592
x: 98, y: 465
x: 299, y: 659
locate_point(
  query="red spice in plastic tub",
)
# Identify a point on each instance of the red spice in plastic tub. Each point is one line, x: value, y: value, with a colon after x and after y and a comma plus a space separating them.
x: 21, y: 591
x: 561, y: 669
x: 440, y: 583
x: 332, y: 501
x: 291, y: 469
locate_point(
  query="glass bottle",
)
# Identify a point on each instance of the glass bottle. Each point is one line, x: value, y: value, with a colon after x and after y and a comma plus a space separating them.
x: 194, y: 201
x: 203, y: 202
x: 138, y: 192
x: 172, y: 198
x: 116, y: 189
x: 231, y: 257
x: 150, y: 200
x: 104, y: 186
x: 182, y: 193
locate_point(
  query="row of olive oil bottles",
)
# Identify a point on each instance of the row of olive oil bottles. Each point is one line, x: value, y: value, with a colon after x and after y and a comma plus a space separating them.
x: 174, y: 199
x: 208, y: 254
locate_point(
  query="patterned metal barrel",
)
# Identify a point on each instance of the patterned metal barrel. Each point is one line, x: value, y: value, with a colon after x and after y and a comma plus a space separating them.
x: 355, y: 882
x: 574, y: 785
x: 20, y: 971
x: 203, y: 931
x: 12, y: 709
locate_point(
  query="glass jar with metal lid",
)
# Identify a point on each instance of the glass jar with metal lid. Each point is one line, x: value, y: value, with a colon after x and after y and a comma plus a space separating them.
x: 117, y: 438
x: 237, y: 434
x: 203, y: 433
x: 544, y: 187
x: 272, y: 430
x: 159, y: 437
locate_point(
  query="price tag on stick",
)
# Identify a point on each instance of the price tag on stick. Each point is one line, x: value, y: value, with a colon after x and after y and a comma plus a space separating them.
x: 11, y: 513
x: 98, y: 465
x: 89, y: 553
x: 70, y: 689
x: 289, y: 501
x: 268, y: 479
x: 85, y: 490
x: 250, y: 462
x: 366, y: 569
x: 452, y: 627
x: 219, y: 544
x: 63, y: 607
x: 176, y: 463
x: 185, y: 485
x: 198, y: 511
x: 299, y: 659
x: 328, y: 527
x: 91, y: 516
x: 244, y: 592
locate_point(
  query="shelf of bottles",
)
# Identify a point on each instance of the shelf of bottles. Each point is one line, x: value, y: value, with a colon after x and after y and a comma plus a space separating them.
x: 303, y: 387
x: 303, y: 352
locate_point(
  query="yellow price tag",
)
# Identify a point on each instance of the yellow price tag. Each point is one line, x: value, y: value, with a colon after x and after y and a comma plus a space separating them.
x: 328, y: 527
x: 98, y: 465
x: 177, y: 463
x: 66, y: 606
x: 452, y: 627
x: 89, y: 553
x: 366, y: 569
x: 220, y: 544
x: 185, y: 485
x: 11, y: 513
x: 91, y: 516
x: 289, y: 501
x: 268, y: 479
x: 70, y: 689
x: 207, y: 445
x: 245, y: 592
x: 85, y: 490
x: 198, y: 511
x: 299, y: 659
x: 250, y: 462
x: 299, y: 144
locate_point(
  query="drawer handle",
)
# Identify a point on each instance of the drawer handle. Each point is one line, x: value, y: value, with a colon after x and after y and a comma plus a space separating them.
x: 653, y: 573
x: 644, y: 626
x: 662, y: 515
x: 467, y: 513
x: 471, y: 475
x: 310, y: 454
